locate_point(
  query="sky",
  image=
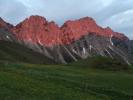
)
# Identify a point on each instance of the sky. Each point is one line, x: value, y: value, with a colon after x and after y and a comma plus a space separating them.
x: 117, y: 14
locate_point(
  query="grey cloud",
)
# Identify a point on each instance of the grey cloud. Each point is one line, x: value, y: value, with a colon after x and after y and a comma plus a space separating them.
x: 116, y: 7
x: 12, y: 11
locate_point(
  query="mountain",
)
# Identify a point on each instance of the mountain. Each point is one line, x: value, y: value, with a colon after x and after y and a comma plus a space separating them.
x: 37, y: 29
x: 74, y: 40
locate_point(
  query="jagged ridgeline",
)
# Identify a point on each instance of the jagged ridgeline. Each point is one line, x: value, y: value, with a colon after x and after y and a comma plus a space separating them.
x: 73, y: 41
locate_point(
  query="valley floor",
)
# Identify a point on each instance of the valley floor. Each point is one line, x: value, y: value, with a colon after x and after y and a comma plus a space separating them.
x: 61, y: 82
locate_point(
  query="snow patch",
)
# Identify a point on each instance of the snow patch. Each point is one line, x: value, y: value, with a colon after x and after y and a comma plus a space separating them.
x: 7, y: 37
x: 90, y: 47
x: 40, y: 42
x: 84, y: 51
x: 74, y: 51
x: 111, y: 40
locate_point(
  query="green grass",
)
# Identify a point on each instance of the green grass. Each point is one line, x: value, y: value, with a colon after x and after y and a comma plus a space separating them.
x: 61, y: 82
x: 100, y: 62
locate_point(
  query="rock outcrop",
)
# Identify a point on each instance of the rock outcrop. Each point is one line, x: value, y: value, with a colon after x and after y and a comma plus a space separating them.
x: 4, y: 24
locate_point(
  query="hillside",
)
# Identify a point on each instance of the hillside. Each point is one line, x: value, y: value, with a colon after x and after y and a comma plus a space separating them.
x: 14, y: 52
x: 99, y: 62
x: 59, y: 82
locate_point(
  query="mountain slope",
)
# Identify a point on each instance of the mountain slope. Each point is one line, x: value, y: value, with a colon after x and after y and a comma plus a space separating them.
x: 14, y: 52
x: 92, y: 45
x: 103, y: 63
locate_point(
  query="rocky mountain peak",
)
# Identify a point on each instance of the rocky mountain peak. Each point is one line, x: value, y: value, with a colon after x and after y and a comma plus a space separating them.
x: 4, y: 24
x: 37, y: 29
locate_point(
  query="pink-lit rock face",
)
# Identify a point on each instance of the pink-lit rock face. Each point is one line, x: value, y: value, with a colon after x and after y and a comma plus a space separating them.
x: 73, y: 30
x: 115, y: 34
x: 37, y: 29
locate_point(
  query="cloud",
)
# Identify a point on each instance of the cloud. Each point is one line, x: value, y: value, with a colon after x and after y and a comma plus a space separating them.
x: 120, y: 20
x: 115, y: 7
x: 12, y: 10
x: 62, y: 9
x: 114, y: 13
